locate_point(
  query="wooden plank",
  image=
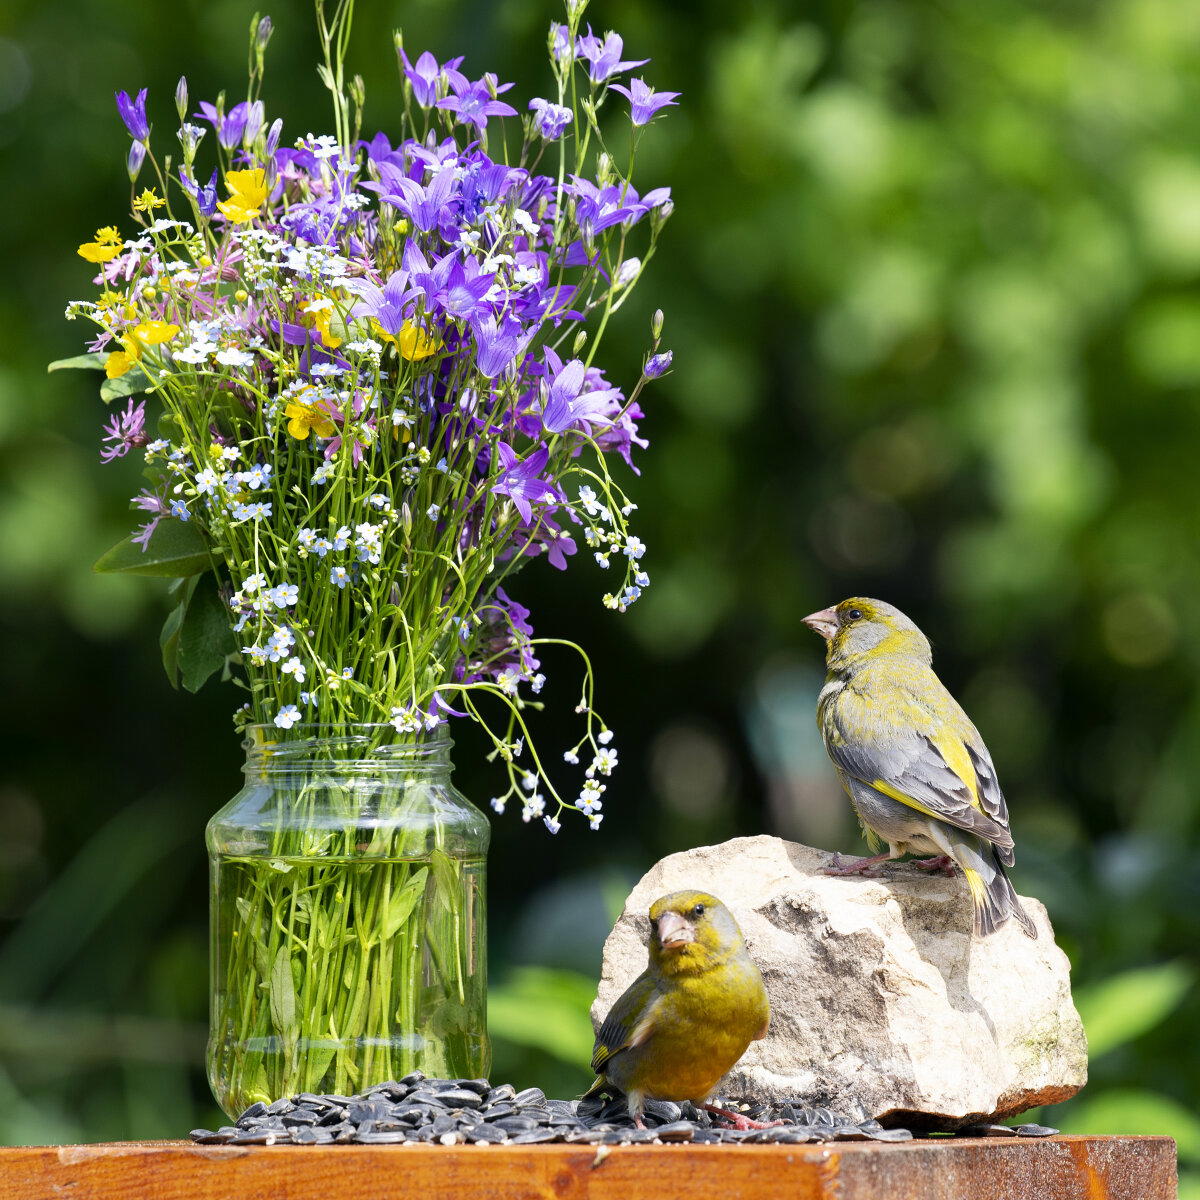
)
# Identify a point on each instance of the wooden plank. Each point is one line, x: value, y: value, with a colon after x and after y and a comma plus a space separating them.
x: 1058, y: 1168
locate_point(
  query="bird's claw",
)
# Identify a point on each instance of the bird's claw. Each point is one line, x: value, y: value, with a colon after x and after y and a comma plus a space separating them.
x: 868, y: 868
x: 738, y: 1121
x: 942, y: 864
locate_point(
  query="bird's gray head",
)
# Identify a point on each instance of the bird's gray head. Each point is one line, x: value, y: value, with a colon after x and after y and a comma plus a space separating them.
x: 859, y: 627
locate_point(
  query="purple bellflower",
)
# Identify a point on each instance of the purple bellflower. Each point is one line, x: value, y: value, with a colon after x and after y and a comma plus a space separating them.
x: 243, y: 120
x: 206, y: 196
x: 455, y: 286
x: 552, y: 119
x: 575, y: 396
x: 474, y: 102
x: 425, y: 206
x: 425, y: 76
x: 604, y: 57
x: 133, y: 113
x: 644, y: 101
x: 520, y: 480
x: 560, y: 43
x: 388, y: 304
x: 497, y: 345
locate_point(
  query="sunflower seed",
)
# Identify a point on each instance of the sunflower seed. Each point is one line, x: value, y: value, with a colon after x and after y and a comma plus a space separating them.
x: 535, y: 1136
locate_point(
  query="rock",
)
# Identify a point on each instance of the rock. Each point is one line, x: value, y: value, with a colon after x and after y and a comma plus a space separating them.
x: 882, y: 1003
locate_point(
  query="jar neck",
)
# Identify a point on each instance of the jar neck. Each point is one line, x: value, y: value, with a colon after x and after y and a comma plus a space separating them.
x: 378, y: 749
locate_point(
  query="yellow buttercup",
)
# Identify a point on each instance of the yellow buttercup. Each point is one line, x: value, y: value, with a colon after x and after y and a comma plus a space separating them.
x: 247, y: 192
x: 148, y: 333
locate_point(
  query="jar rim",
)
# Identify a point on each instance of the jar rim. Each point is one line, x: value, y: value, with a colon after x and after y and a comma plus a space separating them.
x: 440, y: 733
x: 271, y: 740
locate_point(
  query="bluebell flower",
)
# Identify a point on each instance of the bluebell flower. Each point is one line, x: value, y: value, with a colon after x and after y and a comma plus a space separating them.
x: 552, y: 119
x: 604, y: 57
x: 644, y: 101
x: 425, y: 76
x: 472, y: 103
x: 520, y: 480
x: 133, y: 113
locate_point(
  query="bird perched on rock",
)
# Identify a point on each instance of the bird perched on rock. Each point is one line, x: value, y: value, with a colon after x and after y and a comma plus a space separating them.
x: 689, y: 1016
x: 917, y: 771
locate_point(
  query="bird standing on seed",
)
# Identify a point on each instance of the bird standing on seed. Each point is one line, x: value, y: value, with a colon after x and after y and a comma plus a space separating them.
x: 916, y: 770
x: 689, y: 1016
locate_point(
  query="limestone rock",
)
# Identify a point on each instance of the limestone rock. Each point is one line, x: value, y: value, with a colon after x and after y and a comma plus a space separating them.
x: 882, y: 1003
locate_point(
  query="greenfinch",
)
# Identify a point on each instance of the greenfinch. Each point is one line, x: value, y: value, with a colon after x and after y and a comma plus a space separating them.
x: 917, y: 772
x: 689, y: 1016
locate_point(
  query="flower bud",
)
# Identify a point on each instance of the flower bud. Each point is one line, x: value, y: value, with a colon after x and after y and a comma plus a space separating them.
x: 658, y: 365
x: 656, y: 324
x: 604, y: 168
x: 358, y: 91
x: 580, y: 341
x: 273, y: 135
x: 262, y: 34
x: 137, y: 156
x: 181, y: 97
x: 628, y: 271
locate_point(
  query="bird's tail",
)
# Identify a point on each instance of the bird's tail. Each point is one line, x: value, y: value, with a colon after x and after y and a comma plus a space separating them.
x: 993, y: 897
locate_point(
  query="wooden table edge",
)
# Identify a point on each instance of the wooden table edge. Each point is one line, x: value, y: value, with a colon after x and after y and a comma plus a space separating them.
x: 1063, y: 1167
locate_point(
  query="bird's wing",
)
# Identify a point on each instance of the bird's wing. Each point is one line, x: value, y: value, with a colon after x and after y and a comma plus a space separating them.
x: 987, y: 789
x: 629, y: 1023
x: 932, y: 771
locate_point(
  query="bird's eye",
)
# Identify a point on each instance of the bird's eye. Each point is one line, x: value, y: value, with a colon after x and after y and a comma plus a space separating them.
x: 698, y: 911
x: 854, y: 614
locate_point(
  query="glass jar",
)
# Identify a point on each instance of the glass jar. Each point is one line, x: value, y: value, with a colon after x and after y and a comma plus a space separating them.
x: 348, y: 917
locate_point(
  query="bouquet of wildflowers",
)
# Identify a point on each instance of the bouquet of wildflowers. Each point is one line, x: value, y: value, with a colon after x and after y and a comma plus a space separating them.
x: 363, y: 376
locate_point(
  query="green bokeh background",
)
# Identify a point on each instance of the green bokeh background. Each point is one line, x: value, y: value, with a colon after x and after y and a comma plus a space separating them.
x: 932, y: 288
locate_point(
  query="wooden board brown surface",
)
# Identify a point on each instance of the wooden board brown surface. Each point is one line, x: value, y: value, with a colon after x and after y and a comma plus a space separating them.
x: 1058, y: 1168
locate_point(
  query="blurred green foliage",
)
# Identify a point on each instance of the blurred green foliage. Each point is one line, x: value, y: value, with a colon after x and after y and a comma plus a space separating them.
x: 932, y: 288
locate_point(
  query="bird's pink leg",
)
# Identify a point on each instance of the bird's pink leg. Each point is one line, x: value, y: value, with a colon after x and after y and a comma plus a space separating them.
x: 638, y: 1122
x: 943, y: 864
x: 860, y: 866
x: 737, y: 1121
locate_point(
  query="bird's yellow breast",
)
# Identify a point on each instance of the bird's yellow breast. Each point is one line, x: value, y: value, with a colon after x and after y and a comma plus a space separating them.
x: 702, y: 1026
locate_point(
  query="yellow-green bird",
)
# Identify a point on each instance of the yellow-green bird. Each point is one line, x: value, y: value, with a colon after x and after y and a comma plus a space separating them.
x: 915, y: 768
x: 689, y: 1016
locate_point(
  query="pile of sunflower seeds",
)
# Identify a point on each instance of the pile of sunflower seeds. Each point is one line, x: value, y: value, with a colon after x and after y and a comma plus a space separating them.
x: 451, y: 1112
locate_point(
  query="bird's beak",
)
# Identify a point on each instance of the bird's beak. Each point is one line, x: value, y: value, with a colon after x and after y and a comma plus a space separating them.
x: 824, y: 622
x: 674, y: 931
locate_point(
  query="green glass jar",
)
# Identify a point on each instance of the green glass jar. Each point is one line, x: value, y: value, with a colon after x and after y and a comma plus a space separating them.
x: 348, y: 917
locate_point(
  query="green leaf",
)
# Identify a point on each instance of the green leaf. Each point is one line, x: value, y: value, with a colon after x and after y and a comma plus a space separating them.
x: 283, y: 995
x: 168, y: 643
x: 1125, y: 1006
x: 177, y: 549
x: 205, y: 637
x: 546, y: 1009
x: 1136, y: 1111
x: 81, y: 362
x: 318, y: 1063
x: 446, y: 876
x: 168, y: 640
x: 403, y: 903
x: 129, y: 384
